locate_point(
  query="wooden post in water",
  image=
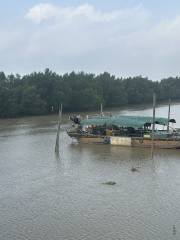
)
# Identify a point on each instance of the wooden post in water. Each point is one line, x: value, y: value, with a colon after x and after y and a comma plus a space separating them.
x: 169, y: 114
x: 153, y: 128
x: 101, y: 109
x: 58, y: 131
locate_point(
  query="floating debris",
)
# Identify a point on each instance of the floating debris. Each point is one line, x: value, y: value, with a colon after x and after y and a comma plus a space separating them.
x: 133, y: 169
x: 110, y: 183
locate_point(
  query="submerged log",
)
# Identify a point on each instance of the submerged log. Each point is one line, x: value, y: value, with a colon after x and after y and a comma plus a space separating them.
x: 110, y: 183
x: 133, y: 169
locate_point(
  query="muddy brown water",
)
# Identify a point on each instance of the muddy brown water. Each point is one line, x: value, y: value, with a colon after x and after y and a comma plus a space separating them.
x: 49, y: 198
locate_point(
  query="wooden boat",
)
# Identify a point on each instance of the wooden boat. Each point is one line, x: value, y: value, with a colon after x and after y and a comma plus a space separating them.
x: 134, y: 131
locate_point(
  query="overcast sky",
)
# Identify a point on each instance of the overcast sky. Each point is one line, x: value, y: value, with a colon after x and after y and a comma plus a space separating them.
x: 123, y: 37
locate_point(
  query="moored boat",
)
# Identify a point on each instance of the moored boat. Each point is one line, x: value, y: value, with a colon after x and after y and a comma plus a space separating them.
x: 134, y: 131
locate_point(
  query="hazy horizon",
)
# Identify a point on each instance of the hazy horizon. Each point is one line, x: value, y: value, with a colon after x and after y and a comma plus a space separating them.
x: 76, y: 72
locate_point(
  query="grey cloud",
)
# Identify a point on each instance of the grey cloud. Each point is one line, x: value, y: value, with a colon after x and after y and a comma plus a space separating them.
x: 124, y: 42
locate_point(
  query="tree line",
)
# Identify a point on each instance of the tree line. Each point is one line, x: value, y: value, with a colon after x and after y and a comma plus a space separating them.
x: 41, y: 92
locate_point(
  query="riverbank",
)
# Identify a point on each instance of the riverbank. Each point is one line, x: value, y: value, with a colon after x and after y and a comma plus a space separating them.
x: 41, y: 93
x: 115, y: 109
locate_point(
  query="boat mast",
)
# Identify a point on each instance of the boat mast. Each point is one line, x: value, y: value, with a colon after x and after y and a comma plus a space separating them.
x: 169, y: 114
x: 153, y: 127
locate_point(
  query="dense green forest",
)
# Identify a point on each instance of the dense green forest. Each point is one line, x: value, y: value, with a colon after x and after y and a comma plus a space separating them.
x: 42, y: 92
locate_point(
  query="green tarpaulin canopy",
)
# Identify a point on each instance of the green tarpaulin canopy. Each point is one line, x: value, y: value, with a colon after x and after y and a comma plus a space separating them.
x: 123, y: 121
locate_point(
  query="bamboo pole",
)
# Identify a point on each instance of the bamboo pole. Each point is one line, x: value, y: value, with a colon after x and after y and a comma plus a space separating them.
x: 101, y: 109
x: 58, y: 130
x: 153, y: 128
x: 169, y: 114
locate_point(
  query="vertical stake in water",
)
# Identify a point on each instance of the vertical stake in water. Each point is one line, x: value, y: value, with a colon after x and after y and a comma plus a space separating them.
x: 169, y: 114
x: 101, y: 110
x: 153, y: 128
x: 58, y: 131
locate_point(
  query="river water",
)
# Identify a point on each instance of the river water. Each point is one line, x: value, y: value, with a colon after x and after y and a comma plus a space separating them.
x: 43, y: 197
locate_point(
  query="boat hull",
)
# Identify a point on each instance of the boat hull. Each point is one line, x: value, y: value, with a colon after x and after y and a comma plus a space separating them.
x: 127, y: 141
x: 89, y: 138
x: 158, y: 143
